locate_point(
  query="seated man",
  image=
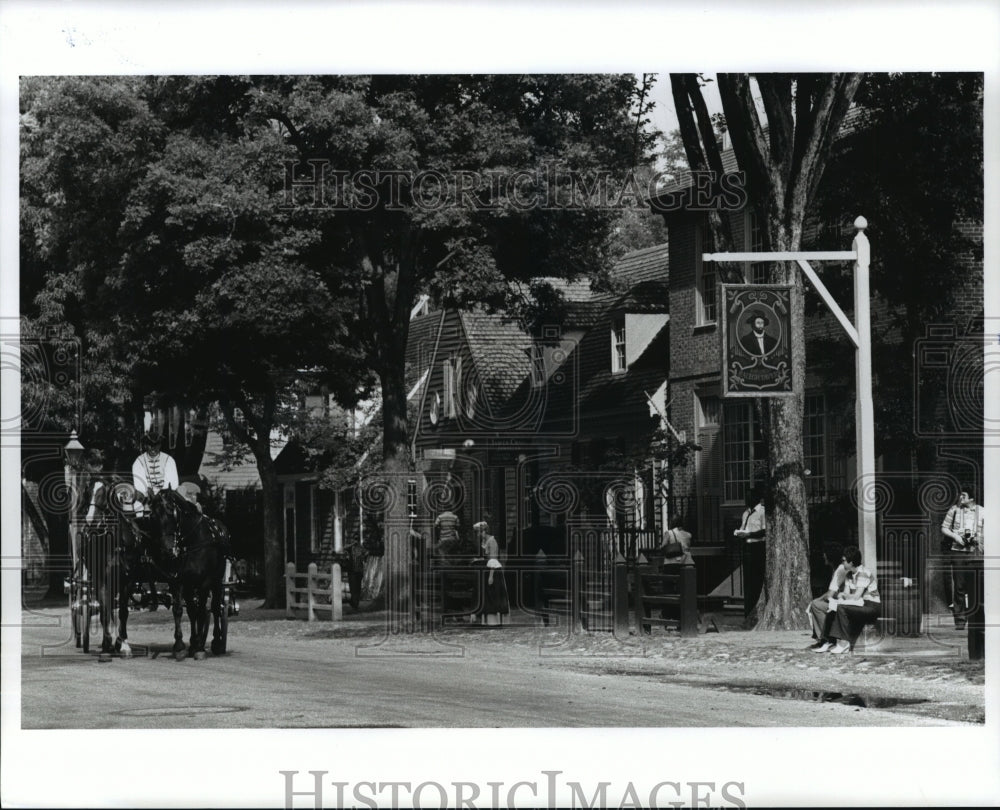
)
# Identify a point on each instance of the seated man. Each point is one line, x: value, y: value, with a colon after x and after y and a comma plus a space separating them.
x: 151, y: 472
x: 858, y: 604
x: 817, y: 609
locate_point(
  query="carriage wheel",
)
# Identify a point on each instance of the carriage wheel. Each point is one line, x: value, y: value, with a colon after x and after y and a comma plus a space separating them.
x: 74, y: 614
x: 224, y: 618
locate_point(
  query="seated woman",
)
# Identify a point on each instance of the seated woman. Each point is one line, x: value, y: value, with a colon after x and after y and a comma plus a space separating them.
x: 856, y: 605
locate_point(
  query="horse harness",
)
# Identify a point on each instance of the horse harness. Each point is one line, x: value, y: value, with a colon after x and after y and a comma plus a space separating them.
x: 216, y: 532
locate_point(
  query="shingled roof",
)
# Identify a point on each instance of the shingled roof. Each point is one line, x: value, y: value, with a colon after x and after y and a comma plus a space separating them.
x: 500, y: 352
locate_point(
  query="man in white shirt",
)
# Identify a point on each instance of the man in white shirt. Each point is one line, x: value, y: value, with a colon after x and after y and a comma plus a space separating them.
x: 963, y: 525
x: 752, y: 531
x: 152, y: 471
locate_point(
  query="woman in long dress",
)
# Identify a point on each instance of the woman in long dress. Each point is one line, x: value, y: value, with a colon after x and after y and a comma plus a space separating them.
x: 495, y: 602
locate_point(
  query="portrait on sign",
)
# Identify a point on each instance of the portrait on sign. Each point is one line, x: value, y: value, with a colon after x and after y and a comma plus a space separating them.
x: 756, y: 340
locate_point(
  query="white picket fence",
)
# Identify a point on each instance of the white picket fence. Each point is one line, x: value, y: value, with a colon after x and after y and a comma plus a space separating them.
x: 299, y: 597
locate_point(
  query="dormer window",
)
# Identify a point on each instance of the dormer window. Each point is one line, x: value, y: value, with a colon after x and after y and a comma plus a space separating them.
x: 618, y: 362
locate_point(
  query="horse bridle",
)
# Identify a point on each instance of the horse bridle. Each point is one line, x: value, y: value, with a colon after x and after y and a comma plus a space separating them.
x: 178, y: 518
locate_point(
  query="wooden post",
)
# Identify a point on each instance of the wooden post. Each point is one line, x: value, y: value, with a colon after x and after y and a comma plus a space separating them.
x: 640, y: 608
x: 289, y: 590
x: 864, y: 410
x: 336, y: 593
x: 620, y: 596
x: 689, y: 602
x: 311, y: 586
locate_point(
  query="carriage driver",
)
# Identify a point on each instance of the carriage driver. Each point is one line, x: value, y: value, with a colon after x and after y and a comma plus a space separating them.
x: 152, y: 471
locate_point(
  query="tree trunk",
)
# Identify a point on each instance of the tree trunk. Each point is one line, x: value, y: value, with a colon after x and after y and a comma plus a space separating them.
x: 396, y: 467
x: 274, y: 555
x: 388, y: 300
x: 258, y: 439
x: 784, y: 164
x: 787, y: 589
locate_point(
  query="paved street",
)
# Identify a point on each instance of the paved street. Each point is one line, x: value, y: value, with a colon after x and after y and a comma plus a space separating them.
x: 291, y: 674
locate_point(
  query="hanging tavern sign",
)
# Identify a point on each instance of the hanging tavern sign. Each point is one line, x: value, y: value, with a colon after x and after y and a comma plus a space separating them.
x: 756, y: 340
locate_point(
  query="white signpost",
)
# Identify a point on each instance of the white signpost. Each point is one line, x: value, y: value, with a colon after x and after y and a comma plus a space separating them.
x: 860, y: 335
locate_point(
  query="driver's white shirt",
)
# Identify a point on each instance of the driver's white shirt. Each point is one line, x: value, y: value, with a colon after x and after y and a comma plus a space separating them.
x: 150, y: 475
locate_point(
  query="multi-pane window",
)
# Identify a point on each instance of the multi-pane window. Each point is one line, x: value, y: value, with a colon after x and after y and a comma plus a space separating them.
x: 618, y: 344
x: 744, y: 453
x: 814, y: 442
x: 709, y: 306
x: 706, y: 306
x: 709, y: 411
x: 756, y: 272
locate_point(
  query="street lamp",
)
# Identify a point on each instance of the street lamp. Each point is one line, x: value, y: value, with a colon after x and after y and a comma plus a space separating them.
x: 73, y: 451
x: 73, y: 455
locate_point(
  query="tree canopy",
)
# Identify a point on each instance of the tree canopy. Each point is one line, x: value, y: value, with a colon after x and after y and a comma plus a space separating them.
x: 913, y: 166
x: 173, y: 224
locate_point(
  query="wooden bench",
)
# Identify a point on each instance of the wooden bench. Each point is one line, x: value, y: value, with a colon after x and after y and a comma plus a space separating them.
x: 672, y: 592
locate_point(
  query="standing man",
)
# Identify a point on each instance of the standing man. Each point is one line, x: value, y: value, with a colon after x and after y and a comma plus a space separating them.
x: 152, y: 471
x: 964, y: 526
x: 751, y: 532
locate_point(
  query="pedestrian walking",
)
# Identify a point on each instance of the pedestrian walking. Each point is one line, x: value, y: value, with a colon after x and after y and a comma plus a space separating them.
x: 495, y: 604
x: 676, y: 545
x: 449, y: 543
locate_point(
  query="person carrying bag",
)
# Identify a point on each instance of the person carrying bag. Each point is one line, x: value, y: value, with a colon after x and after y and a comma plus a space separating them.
x: 676, y: 545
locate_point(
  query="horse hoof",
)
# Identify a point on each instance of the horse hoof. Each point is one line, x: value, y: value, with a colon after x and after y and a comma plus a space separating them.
x: 124, y: 649
x: 218, y: 648
x: 201, y: 655
x: 180, y: 655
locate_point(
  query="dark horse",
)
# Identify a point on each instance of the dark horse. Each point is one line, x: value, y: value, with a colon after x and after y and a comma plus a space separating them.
x: 193, y: 550
x: 112, y: 553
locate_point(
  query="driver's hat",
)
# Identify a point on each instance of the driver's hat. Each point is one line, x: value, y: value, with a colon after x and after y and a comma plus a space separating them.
x: 151, y: 441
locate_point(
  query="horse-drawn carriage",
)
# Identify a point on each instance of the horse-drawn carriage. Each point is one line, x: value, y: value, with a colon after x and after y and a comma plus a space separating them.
x: 119, y: 559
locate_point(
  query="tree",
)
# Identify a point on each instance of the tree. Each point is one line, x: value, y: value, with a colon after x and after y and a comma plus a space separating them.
x: 171, y: 255
x: 84, y: 143
x: 784, y: 157
x: 547, y: 136
x: 913, y: 166
x: 212, y: 273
